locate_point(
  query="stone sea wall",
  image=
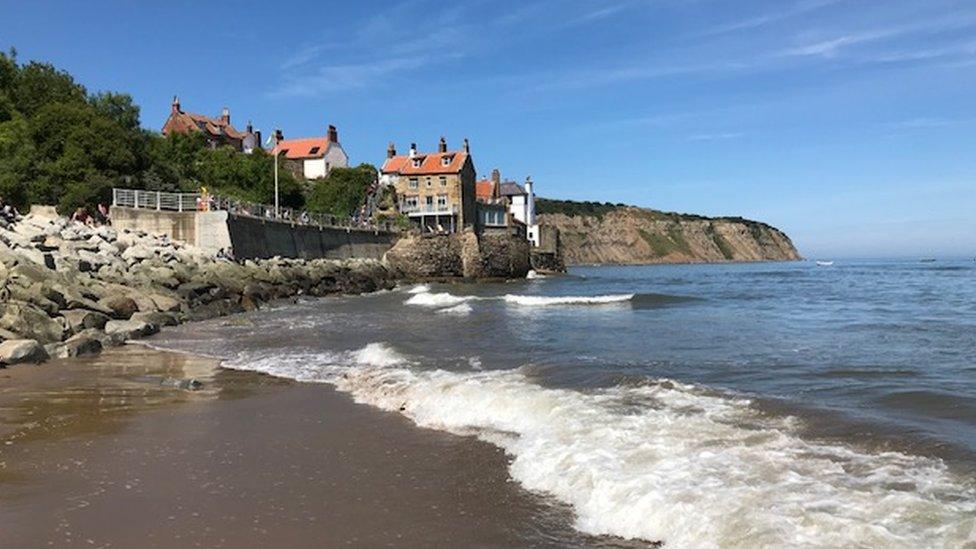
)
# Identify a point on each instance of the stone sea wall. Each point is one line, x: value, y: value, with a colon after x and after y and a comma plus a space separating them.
x: 68, y: 290
x: 255, y: 238
x: 460, y: 255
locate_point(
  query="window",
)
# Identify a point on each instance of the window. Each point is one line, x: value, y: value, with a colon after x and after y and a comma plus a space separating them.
x: 446, y: 160
x: 313, y: 150
x: 411, y: 201
x: 443, y: 181
x: 430, y: 200
x: 428, y: 182
x: 442, y: 200
x: 416, y: 162
x: 413, y: 183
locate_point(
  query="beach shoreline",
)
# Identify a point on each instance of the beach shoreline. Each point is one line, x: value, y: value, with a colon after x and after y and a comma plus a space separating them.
x: 99, y: 451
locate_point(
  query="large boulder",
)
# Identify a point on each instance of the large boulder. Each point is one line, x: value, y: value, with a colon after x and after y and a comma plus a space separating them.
x: 156, y: 317
x: 27, y: 320
x: 82, y: 319
x: 15, y: 351
x: 77, y: 345
x: 130, y: 329
x: 165, y: 303
x: 121, y: 307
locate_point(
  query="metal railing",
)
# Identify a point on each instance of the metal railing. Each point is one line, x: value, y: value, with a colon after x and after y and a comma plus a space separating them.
x: 191, y: 202
x: 155, y: 200
x: 436, y: 209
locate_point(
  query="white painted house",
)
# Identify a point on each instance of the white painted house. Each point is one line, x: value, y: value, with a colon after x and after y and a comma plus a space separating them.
x: 314, y: 157
x: 521, y: 204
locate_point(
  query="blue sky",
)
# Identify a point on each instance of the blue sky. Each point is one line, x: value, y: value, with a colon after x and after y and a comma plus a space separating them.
x: 849, y: 124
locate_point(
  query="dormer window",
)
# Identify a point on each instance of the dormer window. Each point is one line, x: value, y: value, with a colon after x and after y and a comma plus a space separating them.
x: 416, y: 162
x: 313, y: 150
x: 446, y: 160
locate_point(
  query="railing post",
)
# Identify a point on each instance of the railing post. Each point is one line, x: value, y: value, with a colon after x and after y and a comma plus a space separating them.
x: 179, y: 202
x: 159, y: 197
x: 136, y: 199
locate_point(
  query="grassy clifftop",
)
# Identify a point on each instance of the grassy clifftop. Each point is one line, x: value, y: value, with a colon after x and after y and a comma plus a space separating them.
x: 594, y: 232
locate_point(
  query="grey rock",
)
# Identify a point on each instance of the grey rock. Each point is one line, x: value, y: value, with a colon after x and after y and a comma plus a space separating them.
x: 188, y: 384
x: 15, y: 351
x: 130, y: 329
x: 31, y: 322
x: 121, y: 307
x: 83, y: 319
x: 156, y: 317
x: 78, y: 345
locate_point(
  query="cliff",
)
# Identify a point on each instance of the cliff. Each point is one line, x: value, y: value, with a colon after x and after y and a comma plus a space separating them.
x: 593, y: 233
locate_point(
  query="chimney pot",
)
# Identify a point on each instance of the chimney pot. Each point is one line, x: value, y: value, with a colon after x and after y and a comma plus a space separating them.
x: 391, y: 150
x: 333, y: 134
x: 442, y: 146
x: 176, y: 104
x: 413, y: 150
x: 225, y: 115
x: 467, y: 146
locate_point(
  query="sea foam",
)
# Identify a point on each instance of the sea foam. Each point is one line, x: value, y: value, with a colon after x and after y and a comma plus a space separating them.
x: 543, y: 301
x: 664, y: 461
x: 436, y: 300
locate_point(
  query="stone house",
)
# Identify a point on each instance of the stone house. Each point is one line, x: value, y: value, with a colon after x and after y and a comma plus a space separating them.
x: 436, y: 191
x: 313, y: 157
x: 521, y: 204
x: 218, y: 131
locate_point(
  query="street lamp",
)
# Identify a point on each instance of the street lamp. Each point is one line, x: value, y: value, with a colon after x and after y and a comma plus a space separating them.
x: 275, y: 137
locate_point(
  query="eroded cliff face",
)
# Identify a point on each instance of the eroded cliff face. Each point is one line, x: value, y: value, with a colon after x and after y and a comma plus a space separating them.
x: 628, y: 236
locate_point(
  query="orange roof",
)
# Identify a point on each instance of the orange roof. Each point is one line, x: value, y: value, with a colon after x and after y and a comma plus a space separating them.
x: 430, y: 163
x: 303, y: 148
x: 484, y: 190
x: 183, y: 122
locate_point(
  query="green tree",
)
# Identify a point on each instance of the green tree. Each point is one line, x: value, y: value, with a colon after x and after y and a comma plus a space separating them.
x: 344, y: 192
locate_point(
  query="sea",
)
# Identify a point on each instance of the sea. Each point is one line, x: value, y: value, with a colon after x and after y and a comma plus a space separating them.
x: 763, y: 404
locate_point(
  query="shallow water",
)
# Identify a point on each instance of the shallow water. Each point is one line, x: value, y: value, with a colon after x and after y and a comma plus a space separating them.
x: 708, y: 405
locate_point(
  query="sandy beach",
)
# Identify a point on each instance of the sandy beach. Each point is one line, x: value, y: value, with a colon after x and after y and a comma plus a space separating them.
x: 97, y: 453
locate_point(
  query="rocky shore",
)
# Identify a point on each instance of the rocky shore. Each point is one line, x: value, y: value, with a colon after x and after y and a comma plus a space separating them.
x: 69, y: 289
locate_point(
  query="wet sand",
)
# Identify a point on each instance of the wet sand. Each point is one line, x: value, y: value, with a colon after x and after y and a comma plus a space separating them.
x: 97, y: 453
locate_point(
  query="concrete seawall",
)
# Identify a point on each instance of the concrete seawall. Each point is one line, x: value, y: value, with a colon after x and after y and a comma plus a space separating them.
x: 255, y: 238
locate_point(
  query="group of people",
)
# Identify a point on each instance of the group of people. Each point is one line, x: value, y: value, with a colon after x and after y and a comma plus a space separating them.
x: 101, y: 216
x: 8, y: 212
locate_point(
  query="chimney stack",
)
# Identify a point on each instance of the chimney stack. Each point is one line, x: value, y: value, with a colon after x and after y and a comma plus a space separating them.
x: 467, y: 147
x: 442, y: 146
x: 176, y: 104
x: 225, y: 116
x: 333, y: 134
x: 413, y: 150
x: 391, y: 150
x: 250, y: 128
x: 279, y: 136
x: 496, y: 176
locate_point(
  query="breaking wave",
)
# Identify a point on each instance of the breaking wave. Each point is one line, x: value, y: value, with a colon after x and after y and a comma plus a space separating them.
x: 419, y: 289
x: 543, y: 301
x: 461, y: 309
x: 436, y: 300
x: 662, y: 460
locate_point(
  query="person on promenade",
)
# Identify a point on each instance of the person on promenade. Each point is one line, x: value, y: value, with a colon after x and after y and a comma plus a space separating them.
x: 103, y: 216
x: 81, y: 216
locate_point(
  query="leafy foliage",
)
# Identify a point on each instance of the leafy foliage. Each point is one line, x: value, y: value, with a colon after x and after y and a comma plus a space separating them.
x: 61, y: 145
x: 344, y: 192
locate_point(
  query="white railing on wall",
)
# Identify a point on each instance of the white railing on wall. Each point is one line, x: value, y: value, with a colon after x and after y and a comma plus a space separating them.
x: 190, y: 202
x: 155, y: 200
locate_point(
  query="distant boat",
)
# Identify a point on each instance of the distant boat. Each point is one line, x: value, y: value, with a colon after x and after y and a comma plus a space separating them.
x: 825, y: 263
x: 927, y: 260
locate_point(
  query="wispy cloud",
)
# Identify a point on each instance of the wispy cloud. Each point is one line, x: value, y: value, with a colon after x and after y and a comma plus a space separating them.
x: 925, y: 123
x: 716, y: 136
x: 764, y: 19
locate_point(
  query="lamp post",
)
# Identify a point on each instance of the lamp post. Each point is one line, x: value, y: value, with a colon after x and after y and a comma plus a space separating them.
x: 273, y: 140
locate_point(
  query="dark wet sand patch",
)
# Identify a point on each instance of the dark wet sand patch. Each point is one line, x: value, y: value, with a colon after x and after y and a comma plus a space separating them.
x: 100, y: 454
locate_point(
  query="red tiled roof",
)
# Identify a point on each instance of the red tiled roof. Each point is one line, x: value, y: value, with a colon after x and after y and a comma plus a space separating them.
x: 484, y: 190
x: 302, y: 148
x: 184, y: 122
x: 431, y: 163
